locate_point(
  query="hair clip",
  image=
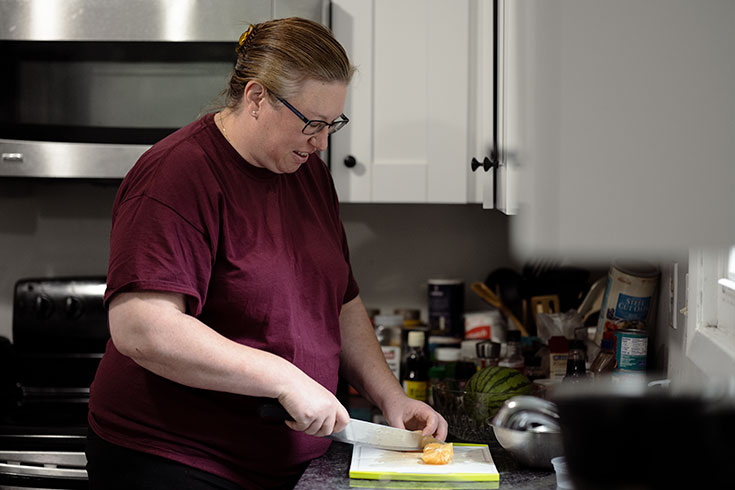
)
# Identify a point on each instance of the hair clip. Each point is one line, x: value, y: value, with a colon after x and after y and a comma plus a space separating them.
x: 245, y: 35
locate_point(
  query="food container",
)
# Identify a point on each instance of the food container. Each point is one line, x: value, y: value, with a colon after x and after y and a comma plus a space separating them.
x: 446, y: 306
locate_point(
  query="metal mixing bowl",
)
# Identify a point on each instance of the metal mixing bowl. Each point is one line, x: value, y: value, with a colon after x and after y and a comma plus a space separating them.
x: 469, y: 413
x: 528, y: 428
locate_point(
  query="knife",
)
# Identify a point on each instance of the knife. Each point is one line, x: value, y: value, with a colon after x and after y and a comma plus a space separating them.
x: 361, y: 432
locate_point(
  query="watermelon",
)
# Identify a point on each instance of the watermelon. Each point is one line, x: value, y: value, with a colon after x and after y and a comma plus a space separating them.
x: 497, y: 380
x: 487, y: 390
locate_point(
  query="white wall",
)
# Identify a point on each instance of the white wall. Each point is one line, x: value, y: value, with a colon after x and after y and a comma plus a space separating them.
x: 50, y: 229
x: 58, y: 228
x: 396, y: 248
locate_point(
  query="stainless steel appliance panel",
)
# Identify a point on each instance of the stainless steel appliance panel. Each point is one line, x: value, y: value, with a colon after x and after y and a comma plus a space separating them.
x: 89, y: 85
x: 48, y: 159
x: 145, y: 20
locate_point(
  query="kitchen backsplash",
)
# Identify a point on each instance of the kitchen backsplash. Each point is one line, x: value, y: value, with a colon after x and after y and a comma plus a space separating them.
x: 61, y: 228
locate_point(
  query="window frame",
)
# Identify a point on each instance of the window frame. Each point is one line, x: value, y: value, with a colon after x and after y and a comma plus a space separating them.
x: 710, y: 335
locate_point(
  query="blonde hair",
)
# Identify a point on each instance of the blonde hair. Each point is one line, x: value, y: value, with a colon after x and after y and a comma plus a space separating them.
x: 282, y: 53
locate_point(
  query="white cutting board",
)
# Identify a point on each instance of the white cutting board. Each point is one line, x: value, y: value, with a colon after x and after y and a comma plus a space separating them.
x: 471, y: 462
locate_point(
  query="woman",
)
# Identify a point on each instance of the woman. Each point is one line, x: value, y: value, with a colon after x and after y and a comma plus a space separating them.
x: 229, y: 286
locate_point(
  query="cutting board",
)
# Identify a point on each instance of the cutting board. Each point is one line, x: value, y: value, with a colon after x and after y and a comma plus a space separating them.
x: 471, y: 462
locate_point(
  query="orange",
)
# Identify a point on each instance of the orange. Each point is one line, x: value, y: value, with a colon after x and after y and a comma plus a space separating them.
x: 438, y: 453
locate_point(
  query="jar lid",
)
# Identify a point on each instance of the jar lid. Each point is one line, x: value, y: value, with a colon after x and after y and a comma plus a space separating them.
x: 415, y: 338
x: 447, y: 354
x: 444, y: 340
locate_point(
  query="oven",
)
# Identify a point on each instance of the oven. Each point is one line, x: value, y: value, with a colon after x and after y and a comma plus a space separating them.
x: 59, y: 336
x: 89, y: 85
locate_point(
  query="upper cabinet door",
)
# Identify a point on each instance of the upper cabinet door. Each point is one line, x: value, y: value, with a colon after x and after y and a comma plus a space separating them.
x: 482, y: 102
x: 407, y: 140
x: 625, y: 126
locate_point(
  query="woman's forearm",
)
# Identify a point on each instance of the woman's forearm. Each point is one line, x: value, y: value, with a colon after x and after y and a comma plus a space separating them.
x: 362, y: 360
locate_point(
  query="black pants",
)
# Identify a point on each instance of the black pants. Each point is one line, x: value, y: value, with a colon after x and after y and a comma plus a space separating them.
x: 112, y: 467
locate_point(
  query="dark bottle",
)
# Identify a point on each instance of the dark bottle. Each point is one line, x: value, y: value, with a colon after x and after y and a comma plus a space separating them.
x: 576, y: 369
x: 416, y: 379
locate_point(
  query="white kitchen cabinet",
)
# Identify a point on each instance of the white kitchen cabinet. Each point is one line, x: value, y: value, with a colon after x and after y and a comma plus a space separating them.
x: 408, y: 103
x: 622, y: 125
x: 482, y: 104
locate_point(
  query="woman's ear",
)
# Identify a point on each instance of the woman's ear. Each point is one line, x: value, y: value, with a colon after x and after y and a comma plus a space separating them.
x: 253, y: 96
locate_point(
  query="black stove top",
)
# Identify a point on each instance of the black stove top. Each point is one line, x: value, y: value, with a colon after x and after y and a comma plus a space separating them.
x: 59, y: 336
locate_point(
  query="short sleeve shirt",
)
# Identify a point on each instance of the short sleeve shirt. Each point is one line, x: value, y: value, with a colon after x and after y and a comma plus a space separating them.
x: 261, y: 258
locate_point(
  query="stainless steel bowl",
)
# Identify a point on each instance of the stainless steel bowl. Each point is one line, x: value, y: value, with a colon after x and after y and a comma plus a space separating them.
x: 469, y: 413
x: 528, y: 428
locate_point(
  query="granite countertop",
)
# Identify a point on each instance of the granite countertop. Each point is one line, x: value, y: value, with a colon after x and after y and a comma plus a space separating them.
x: 331, y: 471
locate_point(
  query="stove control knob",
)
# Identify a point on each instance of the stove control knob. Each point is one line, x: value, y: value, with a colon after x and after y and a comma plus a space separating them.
x: 43, y: 306
x: 73, y: 307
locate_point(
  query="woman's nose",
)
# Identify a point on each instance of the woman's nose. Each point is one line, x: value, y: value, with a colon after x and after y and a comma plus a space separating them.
x: 321, y: 140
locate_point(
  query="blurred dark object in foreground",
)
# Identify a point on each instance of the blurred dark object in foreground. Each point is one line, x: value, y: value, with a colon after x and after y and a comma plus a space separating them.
x: 627, y: 434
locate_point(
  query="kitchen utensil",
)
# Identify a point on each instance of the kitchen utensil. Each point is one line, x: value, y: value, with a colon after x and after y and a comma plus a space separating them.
x: 546, y: 304
x: 471, y: 462
x: 361, y: 432
x: 528, y: 428
x: 507, y: 285
x: 569, y: 283
x: 593, y: 300
x: 491, y: 298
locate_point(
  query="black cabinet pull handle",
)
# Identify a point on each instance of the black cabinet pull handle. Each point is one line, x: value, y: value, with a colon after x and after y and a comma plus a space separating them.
x: 486, y: 164
x: 350, y: 161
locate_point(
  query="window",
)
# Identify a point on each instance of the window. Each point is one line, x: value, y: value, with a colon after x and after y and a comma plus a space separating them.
x: 710, y: 340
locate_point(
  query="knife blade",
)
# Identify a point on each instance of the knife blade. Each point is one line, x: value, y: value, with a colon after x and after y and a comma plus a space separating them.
x: 362, y: 432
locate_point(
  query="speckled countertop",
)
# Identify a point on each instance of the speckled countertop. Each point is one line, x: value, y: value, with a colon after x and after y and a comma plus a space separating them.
x: 331, y: 472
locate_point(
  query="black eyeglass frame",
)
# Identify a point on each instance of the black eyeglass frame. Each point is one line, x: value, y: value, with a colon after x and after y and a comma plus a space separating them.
x: 333, y: 127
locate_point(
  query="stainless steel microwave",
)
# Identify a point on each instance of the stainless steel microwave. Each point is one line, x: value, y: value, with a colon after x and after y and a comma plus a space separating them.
x: 89, y: 85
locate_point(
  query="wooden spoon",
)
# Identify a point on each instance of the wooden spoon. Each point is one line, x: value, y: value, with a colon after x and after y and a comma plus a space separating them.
x: 492, y: 299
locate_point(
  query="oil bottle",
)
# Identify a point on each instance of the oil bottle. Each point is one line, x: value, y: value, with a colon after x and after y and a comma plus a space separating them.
x: 416, y: 377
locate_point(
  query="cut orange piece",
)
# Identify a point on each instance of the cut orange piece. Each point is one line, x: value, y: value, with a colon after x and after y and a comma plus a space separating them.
x: 438, y: 453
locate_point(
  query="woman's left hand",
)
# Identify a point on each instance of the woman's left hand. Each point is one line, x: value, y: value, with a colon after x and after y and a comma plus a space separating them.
x: 410, y: 414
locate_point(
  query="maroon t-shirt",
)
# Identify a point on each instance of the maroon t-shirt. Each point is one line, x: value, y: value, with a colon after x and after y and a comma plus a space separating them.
x: 261, y: 258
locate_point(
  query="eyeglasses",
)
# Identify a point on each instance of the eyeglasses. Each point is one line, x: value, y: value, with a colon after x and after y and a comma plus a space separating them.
x: 314, y: 126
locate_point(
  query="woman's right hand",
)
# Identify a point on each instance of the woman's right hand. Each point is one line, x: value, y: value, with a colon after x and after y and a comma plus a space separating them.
x: 315, y: 410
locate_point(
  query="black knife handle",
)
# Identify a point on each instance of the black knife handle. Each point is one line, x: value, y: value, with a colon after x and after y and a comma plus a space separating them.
x: 273, y: 411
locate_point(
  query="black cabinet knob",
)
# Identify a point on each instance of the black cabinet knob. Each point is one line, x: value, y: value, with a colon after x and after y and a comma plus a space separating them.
x: 486, y: 164
x: 350, y: 161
